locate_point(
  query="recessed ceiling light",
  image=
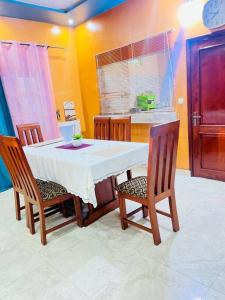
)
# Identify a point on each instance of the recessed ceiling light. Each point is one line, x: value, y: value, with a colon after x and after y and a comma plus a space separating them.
x: 56, y: 30
x: 71, y: 22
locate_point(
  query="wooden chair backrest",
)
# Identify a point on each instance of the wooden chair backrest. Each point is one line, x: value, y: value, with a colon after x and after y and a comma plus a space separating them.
x: 18, y: 167
x: 101, y: 128
x: 29, y: 134
x: 162, y: 157
x: 120, y: 129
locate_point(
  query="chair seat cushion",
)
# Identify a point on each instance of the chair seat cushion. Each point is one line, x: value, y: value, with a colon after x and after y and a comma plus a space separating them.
x: 135, y: 187
x: 50, y: 189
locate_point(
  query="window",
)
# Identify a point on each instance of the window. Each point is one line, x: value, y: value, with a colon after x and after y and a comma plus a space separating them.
x: 136, y: 72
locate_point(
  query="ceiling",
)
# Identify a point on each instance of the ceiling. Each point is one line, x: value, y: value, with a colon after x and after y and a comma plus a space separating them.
x: 56, y: 11
x: 63, y: 5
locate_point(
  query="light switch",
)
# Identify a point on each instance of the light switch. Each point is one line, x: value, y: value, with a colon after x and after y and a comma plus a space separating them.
x: 180, y: 101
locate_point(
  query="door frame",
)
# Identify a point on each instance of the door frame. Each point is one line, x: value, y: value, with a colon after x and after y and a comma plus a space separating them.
x: 189, y: 43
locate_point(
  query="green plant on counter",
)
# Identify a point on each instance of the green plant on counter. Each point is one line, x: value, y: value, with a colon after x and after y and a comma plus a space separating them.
x: 147, y: 101
x: 77, y: 136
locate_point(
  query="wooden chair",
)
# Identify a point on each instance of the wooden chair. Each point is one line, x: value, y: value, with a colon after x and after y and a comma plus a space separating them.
x: 120, y: 129
x: 101, y: 128
x: 159, y: 183
x: 18, y: 207
x: 43, y: 194
x: 29, y: 134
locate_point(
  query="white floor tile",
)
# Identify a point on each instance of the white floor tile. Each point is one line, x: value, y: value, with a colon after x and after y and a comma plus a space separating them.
x: 104, y: 262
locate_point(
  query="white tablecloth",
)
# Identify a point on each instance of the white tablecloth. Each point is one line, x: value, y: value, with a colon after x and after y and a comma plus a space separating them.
x: 79, y: 170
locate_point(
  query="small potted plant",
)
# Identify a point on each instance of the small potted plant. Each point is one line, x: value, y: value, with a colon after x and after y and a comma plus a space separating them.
x: 77, y: 140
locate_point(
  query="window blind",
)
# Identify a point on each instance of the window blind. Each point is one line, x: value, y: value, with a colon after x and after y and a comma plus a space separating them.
x: 130, y: 71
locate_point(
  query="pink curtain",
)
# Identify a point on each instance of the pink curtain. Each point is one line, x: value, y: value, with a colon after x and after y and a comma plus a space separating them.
x: 26, y: 79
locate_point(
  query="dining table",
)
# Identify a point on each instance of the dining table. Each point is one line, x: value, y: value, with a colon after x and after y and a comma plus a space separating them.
x: 87, y: 171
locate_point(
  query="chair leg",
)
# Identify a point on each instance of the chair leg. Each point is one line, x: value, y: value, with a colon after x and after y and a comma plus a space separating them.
x: 17, y: 205
x: 154, y: 224
x: 173, y: 212
x: 31, y: 218
x: 27, y: 214
x: 42, y: 226
x: 123, y: 213
x: 144, y: 211
x: 64, y: 213
x: 78, y: 211
x: 129, y: 174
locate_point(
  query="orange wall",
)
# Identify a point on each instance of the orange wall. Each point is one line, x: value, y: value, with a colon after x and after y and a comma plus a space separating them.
x: 63, y: 63
x: 130, y: 22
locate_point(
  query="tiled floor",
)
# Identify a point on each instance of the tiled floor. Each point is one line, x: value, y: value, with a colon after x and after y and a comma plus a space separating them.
x: 104, y: 262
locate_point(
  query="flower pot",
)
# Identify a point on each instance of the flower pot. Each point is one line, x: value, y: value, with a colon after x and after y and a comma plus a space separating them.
x: 77, y: 143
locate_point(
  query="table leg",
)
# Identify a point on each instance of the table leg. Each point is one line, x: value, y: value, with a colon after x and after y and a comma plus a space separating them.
x: 106, y: 199
x: 78, y: 209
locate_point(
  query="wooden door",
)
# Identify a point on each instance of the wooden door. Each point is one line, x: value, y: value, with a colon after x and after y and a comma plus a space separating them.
x: 206, y: 93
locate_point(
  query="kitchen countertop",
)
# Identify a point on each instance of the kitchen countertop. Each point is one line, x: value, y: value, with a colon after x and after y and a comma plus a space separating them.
x: 145, y: 117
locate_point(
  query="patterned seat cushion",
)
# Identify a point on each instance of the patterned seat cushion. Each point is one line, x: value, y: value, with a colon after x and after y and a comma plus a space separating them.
x: 50, y: 189
x: 136, y: 187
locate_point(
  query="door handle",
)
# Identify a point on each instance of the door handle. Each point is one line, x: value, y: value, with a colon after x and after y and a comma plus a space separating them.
x: 195, y: 118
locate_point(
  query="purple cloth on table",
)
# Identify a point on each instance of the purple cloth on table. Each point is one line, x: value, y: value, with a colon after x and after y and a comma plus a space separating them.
x: 71, y: 147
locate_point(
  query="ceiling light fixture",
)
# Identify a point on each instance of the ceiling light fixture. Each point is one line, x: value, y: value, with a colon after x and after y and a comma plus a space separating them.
x: 190, y: 13
x: 56, y: 30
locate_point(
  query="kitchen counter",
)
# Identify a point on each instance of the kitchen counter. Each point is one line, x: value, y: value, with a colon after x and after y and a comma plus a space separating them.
x: 146, y: 117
